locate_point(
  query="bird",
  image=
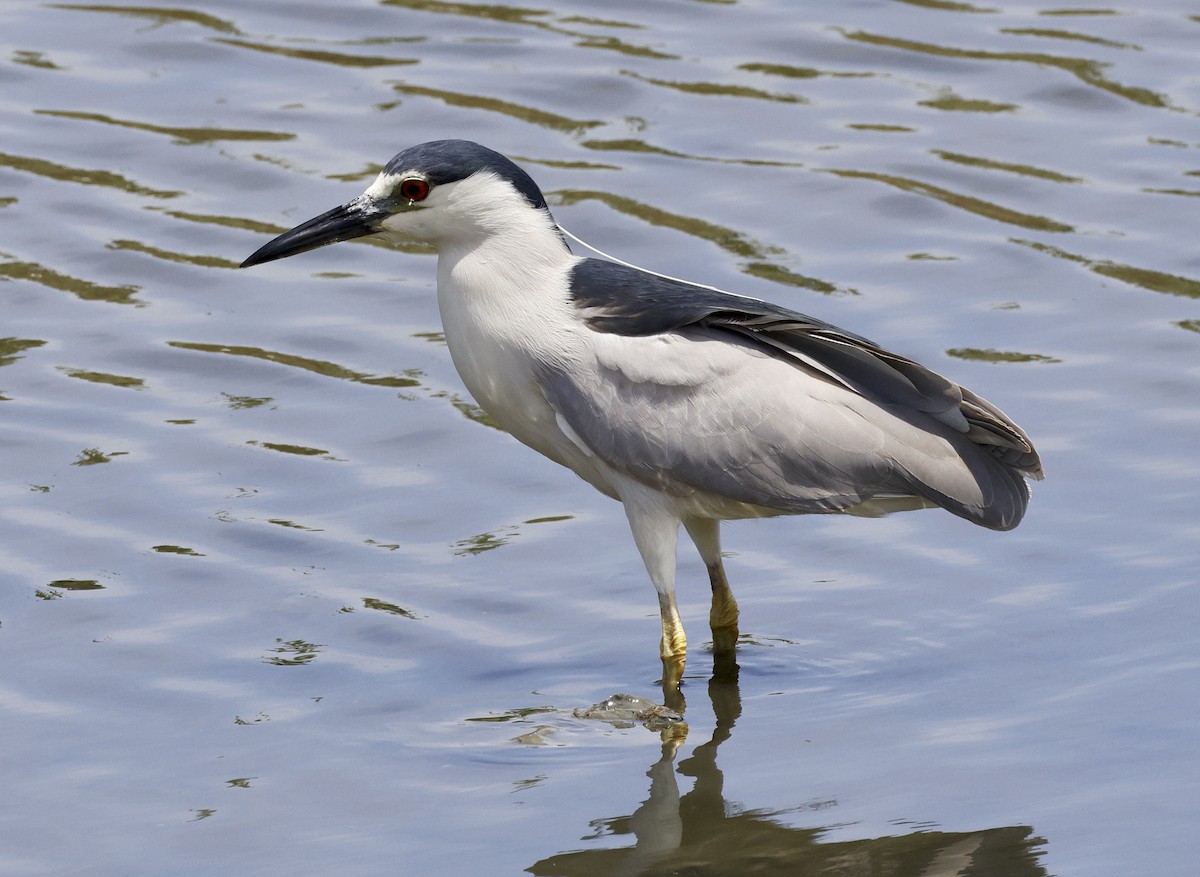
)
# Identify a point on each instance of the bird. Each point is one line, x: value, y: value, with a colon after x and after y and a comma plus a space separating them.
x: 688, y: 404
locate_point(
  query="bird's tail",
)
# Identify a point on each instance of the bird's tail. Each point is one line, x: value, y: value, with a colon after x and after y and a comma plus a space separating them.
x: 990, y: 488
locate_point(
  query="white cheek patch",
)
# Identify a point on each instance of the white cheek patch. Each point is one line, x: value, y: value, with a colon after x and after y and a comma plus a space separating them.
x: 398, y: 222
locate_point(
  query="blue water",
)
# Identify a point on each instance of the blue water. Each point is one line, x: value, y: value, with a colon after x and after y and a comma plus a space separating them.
x: 275, y: 597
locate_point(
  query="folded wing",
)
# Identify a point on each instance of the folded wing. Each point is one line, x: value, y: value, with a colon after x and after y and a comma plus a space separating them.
x: 735, y: 401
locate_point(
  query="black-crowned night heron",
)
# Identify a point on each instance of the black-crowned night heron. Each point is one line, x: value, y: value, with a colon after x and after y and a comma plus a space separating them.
x: 688, y: 404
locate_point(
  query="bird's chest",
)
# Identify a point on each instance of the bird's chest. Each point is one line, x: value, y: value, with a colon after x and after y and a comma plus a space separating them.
x: 499, y: 345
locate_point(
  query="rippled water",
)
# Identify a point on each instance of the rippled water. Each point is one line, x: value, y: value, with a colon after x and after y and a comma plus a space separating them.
x: 278, y: 599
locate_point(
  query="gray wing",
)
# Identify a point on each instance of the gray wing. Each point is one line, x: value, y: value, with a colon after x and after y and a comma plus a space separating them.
x: 698, y: 391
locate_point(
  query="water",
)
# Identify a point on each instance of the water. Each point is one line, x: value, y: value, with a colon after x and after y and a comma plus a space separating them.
x: 278, y: 599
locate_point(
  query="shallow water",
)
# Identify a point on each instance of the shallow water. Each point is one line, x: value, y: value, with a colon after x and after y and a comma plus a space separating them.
x: 277, y: 598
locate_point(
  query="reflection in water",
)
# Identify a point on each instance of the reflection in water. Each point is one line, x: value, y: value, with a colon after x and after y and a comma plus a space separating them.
x: 1054, y: 34
x: 955, y: 199
x: 778, y: 274
x: 1087, y: 70
x: 980, y: 355
x: 1146, y: 278
x: 34, y: 59
x: 316, y: 366
x: 181, y: 136
x: 1187, y: 193
x: 949, y: 101
x: 322, y: 56
x: 534, y: 116
x: 225, y: 221
x: 950, y: 6
x: 478, y: 544
x: 467, y: 409
x: 493, y: 11
x: 702, y: 833
x: 615, y: 45
x: 292, y: 653
x: 86, y: 176
x: 242, y: 403
x: 543, y: 20
x: 292, y: 525
x: 1010, y: 167
x: 791, y: 72
x: 76, y: 585
x: 390, y: 608
x: 94, y: 456
x: 632, y: 144
x: 717, y: 89
x: 159, y: 15
x: 83, y: 289
x: 171, y: 255
x: 176, y: 549
x: 886, y: 129
x: 298, y: 450
x: 11, y: 349
x: 501, y: 536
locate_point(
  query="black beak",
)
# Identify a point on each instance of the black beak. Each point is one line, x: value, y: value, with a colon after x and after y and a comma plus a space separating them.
x: 340, y: 224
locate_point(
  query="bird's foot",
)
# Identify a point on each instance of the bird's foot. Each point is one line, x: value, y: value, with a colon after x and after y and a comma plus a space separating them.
x: 725, y: 639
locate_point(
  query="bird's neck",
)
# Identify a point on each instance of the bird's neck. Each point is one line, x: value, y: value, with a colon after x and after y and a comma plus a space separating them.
x: 516, y: 267
x: 504, y: 306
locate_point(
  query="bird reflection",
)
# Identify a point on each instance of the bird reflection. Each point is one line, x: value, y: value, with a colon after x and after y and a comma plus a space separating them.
x: 700, y: 833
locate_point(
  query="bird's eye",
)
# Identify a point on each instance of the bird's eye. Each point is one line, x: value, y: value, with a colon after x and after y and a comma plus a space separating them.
x: 413, y: 189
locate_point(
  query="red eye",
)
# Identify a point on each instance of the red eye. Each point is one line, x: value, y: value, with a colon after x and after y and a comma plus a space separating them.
x: 413, y: 189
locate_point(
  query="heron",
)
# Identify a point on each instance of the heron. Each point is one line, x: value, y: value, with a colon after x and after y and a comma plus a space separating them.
x: 688, y: 404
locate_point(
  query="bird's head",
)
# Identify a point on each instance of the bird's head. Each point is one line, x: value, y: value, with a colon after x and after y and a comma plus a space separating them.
x: 439, y: 192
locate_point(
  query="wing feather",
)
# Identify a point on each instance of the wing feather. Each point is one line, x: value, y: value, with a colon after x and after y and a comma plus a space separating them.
x: 705, y: 393
x: 624, y: 300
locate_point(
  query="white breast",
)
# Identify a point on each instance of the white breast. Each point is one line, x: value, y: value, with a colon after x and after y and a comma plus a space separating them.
x: 503, y: 327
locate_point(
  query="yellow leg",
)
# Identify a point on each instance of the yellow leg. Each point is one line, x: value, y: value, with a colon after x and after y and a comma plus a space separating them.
x: 723, y: 616
x: 674, y: 642
x: 673, y: 649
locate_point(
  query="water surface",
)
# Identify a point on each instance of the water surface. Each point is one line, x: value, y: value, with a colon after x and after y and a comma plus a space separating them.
x: 278, y: 598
